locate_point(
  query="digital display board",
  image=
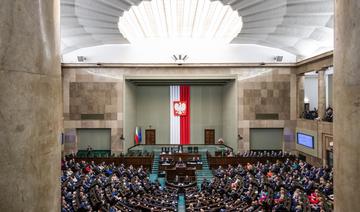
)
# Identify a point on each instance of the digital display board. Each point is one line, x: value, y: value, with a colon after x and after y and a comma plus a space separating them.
x: 305, y: 140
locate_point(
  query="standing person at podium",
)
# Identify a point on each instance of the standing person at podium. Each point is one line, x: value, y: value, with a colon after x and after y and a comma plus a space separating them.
x: 187, y: 180
x: 180, y: 163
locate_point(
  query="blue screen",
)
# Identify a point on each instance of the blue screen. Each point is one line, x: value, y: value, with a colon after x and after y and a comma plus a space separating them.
x: 305, y: 140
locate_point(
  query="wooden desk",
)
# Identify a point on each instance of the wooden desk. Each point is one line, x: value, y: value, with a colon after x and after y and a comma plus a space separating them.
x: 136, y: 161
x: 215, y: 162
x: 163, y: 167
x: 183, y: 156
x: 181, y: 173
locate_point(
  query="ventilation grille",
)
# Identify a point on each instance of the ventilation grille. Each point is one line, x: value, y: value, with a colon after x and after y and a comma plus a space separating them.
x: 93, y: 116
x: 267, y: 116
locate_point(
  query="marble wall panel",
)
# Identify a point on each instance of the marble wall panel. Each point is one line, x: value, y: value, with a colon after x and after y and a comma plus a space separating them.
x: 93, y: 98
x: 260, y: 90
x: 86, y: 92
x: 268, y: 92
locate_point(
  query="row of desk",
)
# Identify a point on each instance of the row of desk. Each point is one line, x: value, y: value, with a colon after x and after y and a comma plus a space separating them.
x: 171, y: 170
x: 216, y: 161
x: 136, y: 161
x: 183, y: 156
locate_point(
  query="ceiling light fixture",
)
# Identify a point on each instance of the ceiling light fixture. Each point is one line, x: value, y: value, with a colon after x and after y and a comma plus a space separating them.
x: 203, y: 20
x: 179, y: 59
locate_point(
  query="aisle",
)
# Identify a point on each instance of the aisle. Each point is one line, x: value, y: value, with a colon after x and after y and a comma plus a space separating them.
x: 205, y: 172
x: 155, y: 167
x: 181, y: 203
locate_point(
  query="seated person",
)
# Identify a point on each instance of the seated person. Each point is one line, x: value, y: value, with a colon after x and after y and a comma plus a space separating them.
x: 314, y: 197
x: 279, y: 198
x: 228, y: 152
x: 193, y: 160
x: 166, y: 161
x: 187, y: 180
x: 166, y: 150
x: 328, y: 190
x: 328, y: 115
x: 198, y: 161
x: 191, y: 207
x: 219, y: 172
x: 162, y: 160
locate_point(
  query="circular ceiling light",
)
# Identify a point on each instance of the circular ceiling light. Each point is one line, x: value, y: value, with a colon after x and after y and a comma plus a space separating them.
x: 199, y: 20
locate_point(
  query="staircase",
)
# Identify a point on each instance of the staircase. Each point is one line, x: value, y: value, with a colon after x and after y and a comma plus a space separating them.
x: 181, y: 203
x: 155, y: 167
x: 205, y: 173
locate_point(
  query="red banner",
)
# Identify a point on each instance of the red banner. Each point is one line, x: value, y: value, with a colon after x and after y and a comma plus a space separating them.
x: 185, y: 120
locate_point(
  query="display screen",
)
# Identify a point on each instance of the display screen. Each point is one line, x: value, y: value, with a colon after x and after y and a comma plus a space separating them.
x: 305, y: 140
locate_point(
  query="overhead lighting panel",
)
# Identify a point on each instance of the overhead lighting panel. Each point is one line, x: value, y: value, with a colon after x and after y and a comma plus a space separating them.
x: 203, y: 20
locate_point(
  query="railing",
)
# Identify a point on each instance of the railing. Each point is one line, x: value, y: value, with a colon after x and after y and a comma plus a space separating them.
x: 145, y: 161
x: 211, y: 148
x: 216, y: 161
x: 93, y: 153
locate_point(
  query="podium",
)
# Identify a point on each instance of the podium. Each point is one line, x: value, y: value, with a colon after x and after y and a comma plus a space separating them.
x: 181, y: 172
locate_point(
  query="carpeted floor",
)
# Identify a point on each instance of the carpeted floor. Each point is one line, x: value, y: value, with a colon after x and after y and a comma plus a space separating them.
x: 181, y: 203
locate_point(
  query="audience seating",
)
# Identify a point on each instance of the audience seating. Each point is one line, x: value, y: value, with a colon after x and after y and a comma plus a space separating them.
x: 286, y: 185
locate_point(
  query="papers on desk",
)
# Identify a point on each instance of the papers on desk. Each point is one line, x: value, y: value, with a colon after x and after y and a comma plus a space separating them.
x: 194, y: 162
x: 166, y: 164
x: 181, y: 165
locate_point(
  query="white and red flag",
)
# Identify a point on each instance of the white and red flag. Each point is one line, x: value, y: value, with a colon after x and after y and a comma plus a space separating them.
x: 180, y: 114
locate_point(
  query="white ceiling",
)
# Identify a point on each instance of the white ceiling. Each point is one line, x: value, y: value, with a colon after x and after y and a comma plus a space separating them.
x: 201, y: 20
x: 300, y: 27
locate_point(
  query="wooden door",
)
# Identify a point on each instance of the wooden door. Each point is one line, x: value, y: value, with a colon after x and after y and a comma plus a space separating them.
x: 150, y: 136
x: 327, y: 146
x: 209, y: 136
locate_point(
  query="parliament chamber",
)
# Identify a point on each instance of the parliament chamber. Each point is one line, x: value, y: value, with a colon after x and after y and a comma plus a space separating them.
x: 211, y: 178
x: 179, y: 105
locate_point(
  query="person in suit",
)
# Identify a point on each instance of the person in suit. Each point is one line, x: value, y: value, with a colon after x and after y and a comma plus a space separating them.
x: 89, y: 151
x: 180, y: 163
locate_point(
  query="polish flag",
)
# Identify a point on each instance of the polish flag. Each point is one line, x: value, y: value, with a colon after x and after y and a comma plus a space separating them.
x: 180, y: 114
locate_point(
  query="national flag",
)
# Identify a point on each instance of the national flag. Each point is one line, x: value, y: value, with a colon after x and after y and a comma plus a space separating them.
x: 180, y: 114
x: 138, y: 137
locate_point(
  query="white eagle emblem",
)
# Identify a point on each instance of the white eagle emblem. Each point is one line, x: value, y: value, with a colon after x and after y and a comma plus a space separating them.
x: 180, y: 108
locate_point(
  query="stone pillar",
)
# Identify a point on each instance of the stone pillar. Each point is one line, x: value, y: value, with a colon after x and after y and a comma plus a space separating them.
x: 300, y: 95
x: 30, y: 105
x: 347, y: 105
x: 293, y: 96
x: 321, y: 93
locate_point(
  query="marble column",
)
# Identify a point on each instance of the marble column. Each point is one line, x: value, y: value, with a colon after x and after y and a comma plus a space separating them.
x: 321, y: 93
x: 30, y: 105
x: 300, y: 95
x: 293, y: 96
x: 347, y: 105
